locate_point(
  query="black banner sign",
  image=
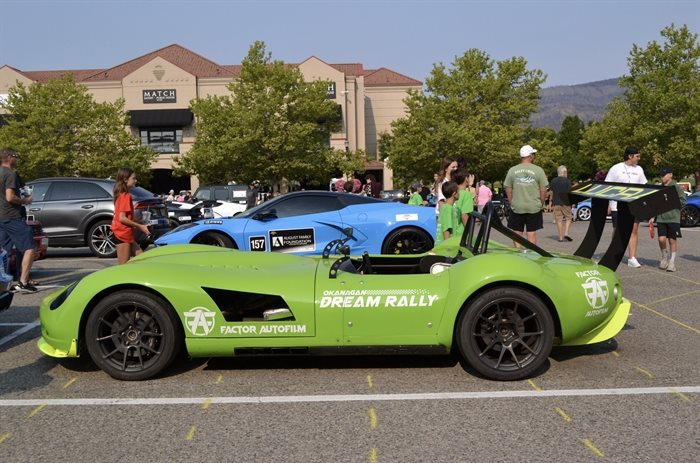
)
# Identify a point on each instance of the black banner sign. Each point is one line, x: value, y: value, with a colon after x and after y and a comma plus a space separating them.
x: 160, y: 96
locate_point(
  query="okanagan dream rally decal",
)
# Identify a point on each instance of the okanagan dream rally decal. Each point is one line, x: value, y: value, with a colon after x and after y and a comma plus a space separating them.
x: 376, y: 298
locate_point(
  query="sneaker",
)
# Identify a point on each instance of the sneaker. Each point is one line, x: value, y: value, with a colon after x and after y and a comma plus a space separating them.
x: 671, y: 267
x: 20, y: 287
x: 632, y: 262
x: 664, y: 263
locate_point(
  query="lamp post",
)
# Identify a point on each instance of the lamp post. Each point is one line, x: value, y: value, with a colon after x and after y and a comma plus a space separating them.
x: 345, y: 120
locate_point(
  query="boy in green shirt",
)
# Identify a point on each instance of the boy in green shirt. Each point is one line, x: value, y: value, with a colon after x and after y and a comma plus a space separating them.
x: 669, y: 224
x: 416, y: 199
x: 465, y: 202
x: 448, y: 219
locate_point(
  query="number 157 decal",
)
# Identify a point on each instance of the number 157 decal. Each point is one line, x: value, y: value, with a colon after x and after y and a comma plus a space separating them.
x: 257, y: 243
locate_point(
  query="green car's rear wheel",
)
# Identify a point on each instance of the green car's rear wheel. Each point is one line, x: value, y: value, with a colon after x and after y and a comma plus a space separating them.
x: 132, y: 335
x: 506, y: 333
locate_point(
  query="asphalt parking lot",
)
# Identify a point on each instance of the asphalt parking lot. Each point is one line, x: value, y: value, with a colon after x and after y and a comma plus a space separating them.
x: 635, y: 398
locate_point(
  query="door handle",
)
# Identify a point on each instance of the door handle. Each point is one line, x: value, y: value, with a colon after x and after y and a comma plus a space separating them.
x: 34, y: 209
x: 87, y: 206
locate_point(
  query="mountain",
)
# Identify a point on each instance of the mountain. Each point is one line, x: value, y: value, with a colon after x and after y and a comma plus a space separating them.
x: 587, y: 101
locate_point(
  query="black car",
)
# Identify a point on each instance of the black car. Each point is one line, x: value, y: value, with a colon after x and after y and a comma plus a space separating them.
x: 179, y: 214
x: 78, y: 211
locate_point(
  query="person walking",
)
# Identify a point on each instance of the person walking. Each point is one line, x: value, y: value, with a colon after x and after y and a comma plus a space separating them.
x: 251, y: 194
x: 465, y: 202
x: 561, y: 206
x: 628, y: 171
x: 123, y: 223
x: 483, y: 196
x: 13, y: 226
x: 669, y: 224
x: 526, y: 189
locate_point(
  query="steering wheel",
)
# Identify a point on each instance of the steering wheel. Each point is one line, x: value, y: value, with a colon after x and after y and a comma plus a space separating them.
x: 366, y: 267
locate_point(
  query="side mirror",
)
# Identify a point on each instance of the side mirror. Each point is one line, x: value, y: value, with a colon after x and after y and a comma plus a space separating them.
x: 266, y: 215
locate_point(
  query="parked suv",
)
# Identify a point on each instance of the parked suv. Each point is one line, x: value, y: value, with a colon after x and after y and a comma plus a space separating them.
x: 77, y: 212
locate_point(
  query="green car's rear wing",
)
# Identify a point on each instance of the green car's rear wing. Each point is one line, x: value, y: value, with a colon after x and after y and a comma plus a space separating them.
x: 634, y: 202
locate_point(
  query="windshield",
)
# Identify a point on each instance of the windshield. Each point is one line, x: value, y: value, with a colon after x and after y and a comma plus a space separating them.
x: 254, y: 210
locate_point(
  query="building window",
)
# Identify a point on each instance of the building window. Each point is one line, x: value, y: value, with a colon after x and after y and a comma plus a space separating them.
x: 162, y: 140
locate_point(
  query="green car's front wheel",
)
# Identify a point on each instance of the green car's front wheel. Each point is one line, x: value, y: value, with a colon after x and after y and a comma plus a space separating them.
x: 506, y: 333
x: 132, y: 335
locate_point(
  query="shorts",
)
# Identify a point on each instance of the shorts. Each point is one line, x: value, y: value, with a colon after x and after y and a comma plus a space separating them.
x: 669, y: 230
x: 562, y: 211
x: 520, y: 222
x: 16, y: 232
x: 613, y: 216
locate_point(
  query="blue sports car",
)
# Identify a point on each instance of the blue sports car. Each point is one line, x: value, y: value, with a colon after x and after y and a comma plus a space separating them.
x: 305, y: 222
x: 690, y: 213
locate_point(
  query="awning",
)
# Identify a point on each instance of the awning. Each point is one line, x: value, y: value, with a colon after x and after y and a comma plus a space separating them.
x: 161, y: 117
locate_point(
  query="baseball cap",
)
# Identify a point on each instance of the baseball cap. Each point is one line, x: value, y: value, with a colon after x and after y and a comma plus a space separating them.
x: 665, y: 170
x: 526, y: 151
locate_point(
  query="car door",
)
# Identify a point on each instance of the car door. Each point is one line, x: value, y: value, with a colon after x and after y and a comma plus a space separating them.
x: 381, y: 310
x: 67, y: 206
x: 298, y: 224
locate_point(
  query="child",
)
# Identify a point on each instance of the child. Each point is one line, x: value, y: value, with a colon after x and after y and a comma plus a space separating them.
x: 669, y: 224
x: 465, y: 203
x: 448, y: 219
x: 416, y: 199
x: 123, y: 222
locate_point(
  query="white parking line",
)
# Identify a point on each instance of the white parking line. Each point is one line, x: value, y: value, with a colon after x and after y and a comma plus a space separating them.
x: 20, y: 332
x: 354, y: 397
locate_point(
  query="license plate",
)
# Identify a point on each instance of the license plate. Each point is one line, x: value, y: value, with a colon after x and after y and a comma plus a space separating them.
x: 184, y: 218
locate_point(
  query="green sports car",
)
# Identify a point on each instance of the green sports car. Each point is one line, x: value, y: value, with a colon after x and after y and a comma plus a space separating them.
x: 502, y: 307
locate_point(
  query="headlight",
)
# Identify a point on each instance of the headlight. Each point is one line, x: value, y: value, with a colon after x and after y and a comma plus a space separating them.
x: 56, y: 303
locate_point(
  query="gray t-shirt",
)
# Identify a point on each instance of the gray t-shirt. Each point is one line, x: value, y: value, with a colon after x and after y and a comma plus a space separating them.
x: 559, y: 185
x: 8, y: 179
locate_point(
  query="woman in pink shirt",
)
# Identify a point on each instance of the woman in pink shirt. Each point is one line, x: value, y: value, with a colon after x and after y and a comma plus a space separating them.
x: 483, y: 195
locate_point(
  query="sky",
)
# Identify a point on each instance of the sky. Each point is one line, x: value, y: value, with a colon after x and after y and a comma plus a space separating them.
x: 571, y: 41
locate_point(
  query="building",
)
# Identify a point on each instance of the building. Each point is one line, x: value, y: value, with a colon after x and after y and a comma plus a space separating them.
x: 157, y: 89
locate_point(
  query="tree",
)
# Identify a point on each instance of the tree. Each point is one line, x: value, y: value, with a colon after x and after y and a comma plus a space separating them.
x: 660, y: 109
x: 273, y: 126
x: 569, y: 137
x: 478, y: 109
x: 62, y: 131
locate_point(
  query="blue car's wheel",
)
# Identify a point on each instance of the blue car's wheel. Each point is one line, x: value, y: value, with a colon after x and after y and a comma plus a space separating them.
x: 583, y: 213
x: 690, y: 216
x: 214, y: 239
x: 506, y: 333
x: 132, y: 335
x: 407, y: 240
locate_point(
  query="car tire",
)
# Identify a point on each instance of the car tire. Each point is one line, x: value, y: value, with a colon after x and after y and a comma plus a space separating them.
x: 690, y: 216
x: 506, y: 333
x: 583, y: 213
x: 214, y: 239
x: 408, y: 240
x: 133, y: 335
x: 100, y: 239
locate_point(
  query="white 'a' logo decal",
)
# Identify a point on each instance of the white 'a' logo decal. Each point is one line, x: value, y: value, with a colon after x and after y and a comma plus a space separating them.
x: 596, y: 292
x: 199, y: 321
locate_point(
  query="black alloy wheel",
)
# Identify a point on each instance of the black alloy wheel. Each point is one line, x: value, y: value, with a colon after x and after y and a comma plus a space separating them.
x: 407, y: 240
x: 132, y: 335
x: 506, y: 333
x: 214, y: 239
x: 690, y: 216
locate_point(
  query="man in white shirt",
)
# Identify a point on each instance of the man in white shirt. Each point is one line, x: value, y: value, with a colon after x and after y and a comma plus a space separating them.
x: 628, y: 171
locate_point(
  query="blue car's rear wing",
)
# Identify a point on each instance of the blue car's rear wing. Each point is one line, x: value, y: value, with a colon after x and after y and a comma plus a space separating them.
x: 634, y: 202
